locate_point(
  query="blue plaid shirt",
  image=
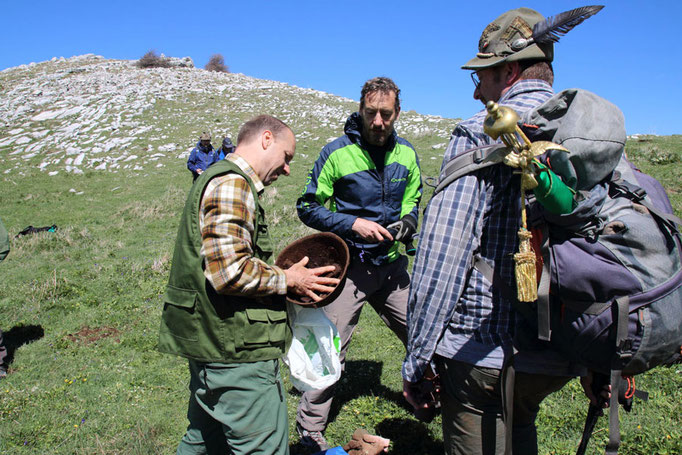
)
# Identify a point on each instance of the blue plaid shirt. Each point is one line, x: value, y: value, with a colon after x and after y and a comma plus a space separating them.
x: 453, y: 311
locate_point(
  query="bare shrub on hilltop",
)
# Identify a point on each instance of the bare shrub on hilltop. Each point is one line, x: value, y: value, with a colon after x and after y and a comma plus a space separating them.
x: 217, y: 63
x: 153, y: 60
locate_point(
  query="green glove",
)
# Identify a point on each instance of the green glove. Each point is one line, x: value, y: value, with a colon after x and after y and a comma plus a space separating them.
x: 554, y: 195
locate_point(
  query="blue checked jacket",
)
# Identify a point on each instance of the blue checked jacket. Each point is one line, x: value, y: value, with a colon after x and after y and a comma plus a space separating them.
x: 453, y: 311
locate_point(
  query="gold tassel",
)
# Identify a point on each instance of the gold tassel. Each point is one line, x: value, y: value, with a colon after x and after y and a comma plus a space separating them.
x: 502, y: 123
x: 526, y: 273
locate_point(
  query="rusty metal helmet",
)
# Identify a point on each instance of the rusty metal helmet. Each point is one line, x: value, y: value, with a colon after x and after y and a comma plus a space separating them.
x: 324, y: 248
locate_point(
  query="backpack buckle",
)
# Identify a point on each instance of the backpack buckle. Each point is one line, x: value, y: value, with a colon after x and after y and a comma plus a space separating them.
x: 478, y: 155
x: 639, y: 193
x: 634, y: 193
x: 624, y: 350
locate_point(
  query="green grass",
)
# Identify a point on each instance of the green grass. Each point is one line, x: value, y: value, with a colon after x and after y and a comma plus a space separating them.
x: 81, y: 307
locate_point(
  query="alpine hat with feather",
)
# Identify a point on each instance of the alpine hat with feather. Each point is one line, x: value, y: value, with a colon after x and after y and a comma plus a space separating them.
x: 524, y: 34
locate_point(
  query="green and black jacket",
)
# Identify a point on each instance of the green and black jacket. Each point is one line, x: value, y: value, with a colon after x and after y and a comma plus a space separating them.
x: 346, y: 176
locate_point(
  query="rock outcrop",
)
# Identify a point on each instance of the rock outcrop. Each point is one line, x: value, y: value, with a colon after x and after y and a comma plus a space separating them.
x: 88, y: 113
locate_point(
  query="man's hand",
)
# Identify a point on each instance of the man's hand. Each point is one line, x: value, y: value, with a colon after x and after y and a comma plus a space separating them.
x: 415, y: 396
x: 199, y: 171
x: 410, y: 393
x: 309, y: 282
x: 424, y: 395
x: 370, y: 231
x: 405, y: 228
x: 588, y: 387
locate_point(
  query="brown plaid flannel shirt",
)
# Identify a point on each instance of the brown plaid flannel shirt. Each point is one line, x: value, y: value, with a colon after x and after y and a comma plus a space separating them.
x: 227, y: 218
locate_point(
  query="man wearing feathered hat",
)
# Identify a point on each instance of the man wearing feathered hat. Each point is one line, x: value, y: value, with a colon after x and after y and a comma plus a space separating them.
x: 458, y: 321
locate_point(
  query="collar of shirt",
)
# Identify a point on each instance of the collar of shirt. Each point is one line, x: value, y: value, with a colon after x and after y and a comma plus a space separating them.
x: 518, y: 97
x: 525, y: 86
x: 248, y: 170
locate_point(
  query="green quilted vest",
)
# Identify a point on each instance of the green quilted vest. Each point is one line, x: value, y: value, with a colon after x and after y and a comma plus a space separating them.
x: 202, y: 325
x: 4, y: 242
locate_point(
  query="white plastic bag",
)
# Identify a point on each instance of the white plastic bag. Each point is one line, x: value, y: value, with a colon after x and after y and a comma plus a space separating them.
x: 313, y: 358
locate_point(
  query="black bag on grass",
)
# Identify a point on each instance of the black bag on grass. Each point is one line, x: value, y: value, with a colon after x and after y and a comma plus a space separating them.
x: 33, y: 230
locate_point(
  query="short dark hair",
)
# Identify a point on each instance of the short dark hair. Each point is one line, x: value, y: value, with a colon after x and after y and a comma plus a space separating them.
x: 537, y: 70
x: 257, y: 125
x: 380, y: 84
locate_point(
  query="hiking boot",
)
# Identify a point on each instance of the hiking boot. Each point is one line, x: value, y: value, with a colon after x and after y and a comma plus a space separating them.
x: 312, y: 439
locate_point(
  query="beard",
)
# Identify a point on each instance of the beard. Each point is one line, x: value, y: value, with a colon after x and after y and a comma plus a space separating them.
x: 377, y: 136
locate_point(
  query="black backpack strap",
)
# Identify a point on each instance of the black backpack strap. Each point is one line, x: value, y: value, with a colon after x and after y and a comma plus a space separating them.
x: 468, y: 162
x: 623, y: 351
x: 637, y: 194
x: 489, y: 273
x: 508, y: 380
x: 498, y: 283
x: 623, y: 342
x: 599, y: 381
x: 544, y: 330
x: 614, y: 423
x: 593, y: 414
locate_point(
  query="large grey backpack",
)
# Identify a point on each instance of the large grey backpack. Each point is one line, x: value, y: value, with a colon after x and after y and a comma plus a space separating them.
x: 610, y: 292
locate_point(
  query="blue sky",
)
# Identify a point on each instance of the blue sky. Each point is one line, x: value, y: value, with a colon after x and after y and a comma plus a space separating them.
x: 628, y: 53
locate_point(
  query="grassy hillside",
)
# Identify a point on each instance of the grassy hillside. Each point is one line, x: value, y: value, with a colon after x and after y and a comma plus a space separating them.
x: 98, y: 148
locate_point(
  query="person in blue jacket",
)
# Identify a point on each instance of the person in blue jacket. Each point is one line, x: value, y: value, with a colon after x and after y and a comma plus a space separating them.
x: 226, y: 148
x: 370, y: 179
x: 202, y: 156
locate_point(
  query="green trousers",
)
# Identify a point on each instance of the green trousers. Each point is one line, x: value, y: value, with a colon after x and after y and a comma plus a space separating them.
x: 236, y: 409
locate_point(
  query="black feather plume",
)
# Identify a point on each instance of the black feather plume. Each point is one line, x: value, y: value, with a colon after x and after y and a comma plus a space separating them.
x: 553, y: 28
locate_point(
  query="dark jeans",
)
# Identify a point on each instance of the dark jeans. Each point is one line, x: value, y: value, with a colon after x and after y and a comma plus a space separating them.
x: 529, y: 391
x: 472, y: 409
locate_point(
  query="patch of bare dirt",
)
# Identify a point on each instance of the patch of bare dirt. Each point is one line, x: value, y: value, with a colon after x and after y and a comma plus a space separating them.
x: 88, y: 335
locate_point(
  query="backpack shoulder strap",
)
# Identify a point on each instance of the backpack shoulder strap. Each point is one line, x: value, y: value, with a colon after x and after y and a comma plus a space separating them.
x: 468, y: 162
x: 637, y: 194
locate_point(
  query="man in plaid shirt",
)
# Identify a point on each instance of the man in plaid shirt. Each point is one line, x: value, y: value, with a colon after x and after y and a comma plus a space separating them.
x: 457, y: 320
x: 224, y: 306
